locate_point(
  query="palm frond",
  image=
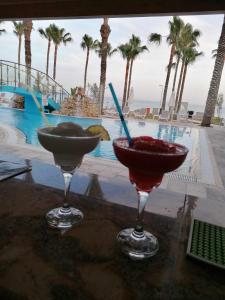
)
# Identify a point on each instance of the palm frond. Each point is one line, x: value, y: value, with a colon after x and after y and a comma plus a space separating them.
x: 42, y: 32
x: 197, y: 33
x: 144, y: 48
x: 125, y: 50
x: 135, y: 40
x: 155, y: 38
x: 19, y: 28
x: 173, y: 65
x: 2, y: 30
x: 87, y: 42
x: 214, y: 53
x: 66, y: 35
x: 99, y: 51
x: 112, y: 52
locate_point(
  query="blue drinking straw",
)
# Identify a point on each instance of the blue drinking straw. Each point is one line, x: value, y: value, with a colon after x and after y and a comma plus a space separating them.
x: 120, y: 113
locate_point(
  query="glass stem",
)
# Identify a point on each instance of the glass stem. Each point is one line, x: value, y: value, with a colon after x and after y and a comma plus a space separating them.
x: 67, y: 181
x: 142, y: 200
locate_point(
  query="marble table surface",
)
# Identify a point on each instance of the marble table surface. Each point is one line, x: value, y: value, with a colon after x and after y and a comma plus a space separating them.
x: 84, y: 263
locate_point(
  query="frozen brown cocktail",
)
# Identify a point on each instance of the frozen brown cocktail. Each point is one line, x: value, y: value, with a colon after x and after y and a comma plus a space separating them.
x: 68, y: 143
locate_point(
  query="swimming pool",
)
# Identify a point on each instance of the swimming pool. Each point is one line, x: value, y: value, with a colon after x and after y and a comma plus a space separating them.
x: 28, y: 124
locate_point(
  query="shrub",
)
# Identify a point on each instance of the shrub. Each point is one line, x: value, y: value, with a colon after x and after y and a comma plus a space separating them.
x: 217, y: 121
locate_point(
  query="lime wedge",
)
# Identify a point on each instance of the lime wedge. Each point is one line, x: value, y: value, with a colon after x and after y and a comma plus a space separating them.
x: 99, y: 129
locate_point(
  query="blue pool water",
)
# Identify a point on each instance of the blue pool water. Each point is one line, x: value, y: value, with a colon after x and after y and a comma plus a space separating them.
x: 28, y: 124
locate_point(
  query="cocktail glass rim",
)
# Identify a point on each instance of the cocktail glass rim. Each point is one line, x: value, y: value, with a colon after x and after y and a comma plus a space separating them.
x: 65, y: 137
x: 128, y: 148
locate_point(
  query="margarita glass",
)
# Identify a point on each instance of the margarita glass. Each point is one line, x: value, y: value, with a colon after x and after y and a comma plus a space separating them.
x: 68, y: 143
x: 147, y: 160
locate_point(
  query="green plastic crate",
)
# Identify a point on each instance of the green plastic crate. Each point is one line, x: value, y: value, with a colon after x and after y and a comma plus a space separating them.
x: 207, y: 243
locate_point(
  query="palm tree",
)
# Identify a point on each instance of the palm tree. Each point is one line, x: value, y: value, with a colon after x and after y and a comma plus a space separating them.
x: 47, y: 34
x: 105, y: 32
x: 175, y: 27
x: 109, y: 52
x: 215, y: 81
x: 126, y: 51
x: 87, y: 44
x: 178, y: 57
x: 28, y: 25
x: 109, y: 49
x: 188, y: 39
x: 189, y: 56
x: 181, y: 43
x: 59, y: 36
x: 179, y: 82
x: 137, y: 49
x: 2, y: 30
x: 19, y: 29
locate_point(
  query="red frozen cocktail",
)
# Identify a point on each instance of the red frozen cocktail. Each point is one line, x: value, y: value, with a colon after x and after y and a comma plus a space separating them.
x: 148, y: 159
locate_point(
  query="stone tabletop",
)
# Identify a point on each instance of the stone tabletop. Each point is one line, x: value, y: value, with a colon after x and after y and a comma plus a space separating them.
x: 84, y: 263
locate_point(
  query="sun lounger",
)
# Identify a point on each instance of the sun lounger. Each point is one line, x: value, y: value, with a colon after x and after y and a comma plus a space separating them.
x: 111, y: 112
x: 182, y: 117
x: 140, y: 113
x: 183, y: 112
x: 164, y: 116
x: 198, y: 116
x: 155, y: 113
x: 126, y: 111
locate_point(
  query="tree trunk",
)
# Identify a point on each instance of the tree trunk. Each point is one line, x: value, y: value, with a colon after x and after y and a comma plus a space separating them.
x: 19, y: 54
x: 125, y: 84
x: 129, y: 82
x: 86, y: 66
x: 27, y: 33
x: 105, y: 32
x: 19, y: 49
x: 215, y: 81
x: 168, y: 77
x: 182, y: 88
x: 179, y: 85
x: 48, y: 52
x: 55, y: 60
x: 102, y: 83
x: 175, y: 74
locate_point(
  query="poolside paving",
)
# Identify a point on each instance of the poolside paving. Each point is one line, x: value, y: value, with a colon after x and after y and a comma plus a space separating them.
x: 216, y: 137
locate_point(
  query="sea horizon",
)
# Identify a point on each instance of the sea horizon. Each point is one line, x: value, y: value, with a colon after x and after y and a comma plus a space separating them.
x: 138, y: 104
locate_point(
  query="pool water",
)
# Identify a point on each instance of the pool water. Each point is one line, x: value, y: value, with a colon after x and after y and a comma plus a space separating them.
x: 28, y: 124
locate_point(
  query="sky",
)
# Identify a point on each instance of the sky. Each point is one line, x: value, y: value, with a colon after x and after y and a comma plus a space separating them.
x: 149, y: 70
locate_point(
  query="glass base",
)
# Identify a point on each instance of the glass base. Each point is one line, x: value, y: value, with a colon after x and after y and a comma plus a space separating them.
x: 137, y: 246
x: 64, y: 218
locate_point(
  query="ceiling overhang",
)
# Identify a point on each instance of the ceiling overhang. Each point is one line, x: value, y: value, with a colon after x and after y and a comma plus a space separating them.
x: 43, y: 9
